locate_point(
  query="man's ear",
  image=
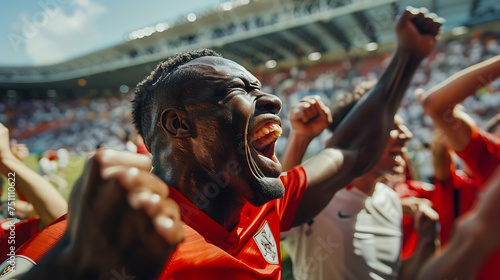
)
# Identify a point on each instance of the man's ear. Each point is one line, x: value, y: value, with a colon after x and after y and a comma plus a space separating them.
x: 176, y: 123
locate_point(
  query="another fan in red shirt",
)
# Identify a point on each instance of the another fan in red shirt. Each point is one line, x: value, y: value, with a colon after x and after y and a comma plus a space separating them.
x: 211, y: 131
x: 472, y: 252
x: 479, y: 149
x: 482, y: 154
x: 456, y: 191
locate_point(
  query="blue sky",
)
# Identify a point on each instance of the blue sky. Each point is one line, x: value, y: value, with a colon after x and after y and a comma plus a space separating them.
x: 41, y: 32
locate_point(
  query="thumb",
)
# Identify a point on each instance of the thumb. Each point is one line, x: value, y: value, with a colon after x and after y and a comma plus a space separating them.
x: 428, y: 211
x: 13, y: 143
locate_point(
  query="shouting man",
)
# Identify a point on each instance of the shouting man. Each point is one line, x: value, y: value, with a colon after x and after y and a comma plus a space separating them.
x: 211, y: 131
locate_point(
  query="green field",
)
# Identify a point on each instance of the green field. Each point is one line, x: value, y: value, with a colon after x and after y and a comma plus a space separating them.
x: 70, y: 174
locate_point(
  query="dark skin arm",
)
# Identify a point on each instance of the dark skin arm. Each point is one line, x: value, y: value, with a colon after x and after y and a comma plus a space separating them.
x: 358, y: 143
x: 120, y: 217
x: 311, y: 116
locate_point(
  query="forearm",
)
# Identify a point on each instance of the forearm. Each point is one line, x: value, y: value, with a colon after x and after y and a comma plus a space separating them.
x: 62, y: 263
x: 295, y: 149
x: 366, y: 128
x: 441, y: 160
x: 474, y: 238
x: 460, y: 260
x: 458, y: 87
x: 48, y: 203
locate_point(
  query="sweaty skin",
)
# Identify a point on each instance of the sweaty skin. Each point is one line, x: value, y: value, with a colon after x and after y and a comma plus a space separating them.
x: 226, y: 109
x: 200, y: 135
x: 358, y: 144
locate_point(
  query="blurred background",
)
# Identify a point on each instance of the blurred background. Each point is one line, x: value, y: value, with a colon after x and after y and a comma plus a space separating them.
x: 68, y: 68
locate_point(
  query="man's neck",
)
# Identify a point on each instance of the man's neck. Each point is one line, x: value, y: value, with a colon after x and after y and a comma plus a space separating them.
x: 224, y: 208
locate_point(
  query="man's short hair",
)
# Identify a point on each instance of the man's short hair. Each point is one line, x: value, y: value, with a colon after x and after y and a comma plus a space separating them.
x: 153, y: 90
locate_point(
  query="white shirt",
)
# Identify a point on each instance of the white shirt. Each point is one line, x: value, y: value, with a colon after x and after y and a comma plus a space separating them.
x: 355, y: 237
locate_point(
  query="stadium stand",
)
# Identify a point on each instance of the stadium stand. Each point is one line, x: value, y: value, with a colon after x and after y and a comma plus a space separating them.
x: 84, y: 103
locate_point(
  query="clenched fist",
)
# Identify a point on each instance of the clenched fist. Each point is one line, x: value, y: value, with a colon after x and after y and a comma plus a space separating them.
x: 120, y: 217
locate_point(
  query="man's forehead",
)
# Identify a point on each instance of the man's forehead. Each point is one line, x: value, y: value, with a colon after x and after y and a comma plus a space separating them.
x: 221, y: 65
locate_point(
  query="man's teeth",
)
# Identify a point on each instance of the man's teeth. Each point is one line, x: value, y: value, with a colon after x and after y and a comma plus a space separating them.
x: 275, y: 129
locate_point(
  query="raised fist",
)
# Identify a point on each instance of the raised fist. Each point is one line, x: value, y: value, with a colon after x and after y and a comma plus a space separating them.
x: 310, y: 117
x: 120, y: 218
x: 417, y: 31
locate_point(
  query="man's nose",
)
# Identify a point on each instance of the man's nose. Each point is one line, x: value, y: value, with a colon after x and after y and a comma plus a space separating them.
x: 268, y: 103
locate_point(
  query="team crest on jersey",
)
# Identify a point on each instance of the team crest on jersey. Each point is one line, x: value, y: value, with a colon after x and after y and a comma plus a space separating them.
x: 8, y: 269
x: 267, y: 245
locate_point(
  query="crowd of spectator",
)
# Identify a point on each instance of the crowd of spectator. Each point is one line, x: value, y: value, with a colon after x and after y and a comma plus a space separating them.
x: 81, y: 125
x: 192, y: 203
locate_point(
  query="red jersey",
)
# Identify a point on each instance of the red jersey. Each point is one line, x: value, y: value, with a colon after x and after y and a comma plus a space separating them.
x: 482, y: 154
x: 250, y: 251
x: 490, y: 269
x: 411, y: 188
x: 452, y: 198
x: 37, y: 246
x: 13, y: 235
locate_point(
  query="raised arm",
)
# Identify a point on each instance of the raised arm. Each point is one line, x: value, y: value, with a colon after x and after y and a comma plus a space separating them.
x: 311, y: 116
x: 308, y: 118
x: 361, y: 136
x: 439, y: 103
x: 46, y: 200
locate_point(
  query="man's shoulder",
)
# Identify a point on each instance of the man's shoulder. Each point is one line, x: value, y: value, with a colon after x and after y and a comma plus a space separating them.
x: 36, y: 247
x: 295, y: 175
x: 15, y: 267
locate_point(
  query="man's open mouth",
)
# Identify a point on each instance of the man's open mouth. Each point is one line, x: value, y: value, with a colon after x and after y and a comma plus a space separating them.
x: 263, y: 139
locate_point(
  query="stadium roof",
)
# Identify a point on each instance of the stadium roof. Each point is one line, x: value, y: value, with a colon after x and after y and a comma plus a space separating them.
x: 254, y: 33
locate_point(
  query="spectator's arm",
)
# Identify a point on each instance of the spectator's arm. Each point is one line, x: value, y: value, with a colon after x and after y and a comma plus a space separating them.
x: 309, y: 118
x: 439, y: 103
x: 441, y: 158
x: 425, y: 223
x: 360, y: 138
x: 46, y: 200
x: 475, y: 237
x: 20, y: 151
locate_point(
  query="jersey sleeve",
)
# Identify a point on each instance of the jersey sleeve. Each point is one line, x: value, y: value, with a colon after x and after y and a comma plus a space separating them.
x: 444, y: 201
x: 38, y: 245
x: 33, y: 250
x: 295, y: 183
x: 482, y: 154
x: 15, y: 267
